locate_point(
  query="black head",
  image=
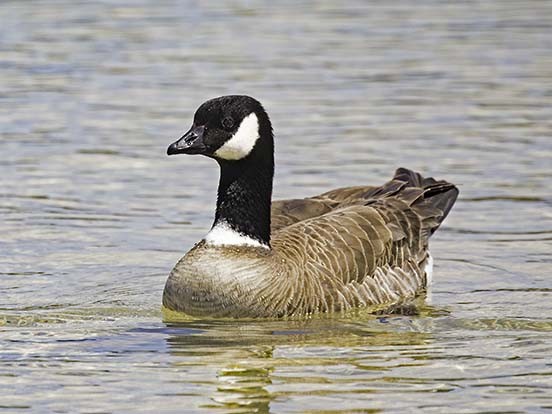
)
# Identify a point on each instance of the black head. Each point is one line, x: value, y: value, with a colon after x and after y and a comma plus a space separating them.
x: 226, y: 128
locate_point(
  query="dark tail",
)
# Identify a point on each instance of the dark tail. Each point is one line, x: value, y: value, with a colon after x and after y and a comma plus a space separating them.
x: 430, y: 200
x: 435, y: 199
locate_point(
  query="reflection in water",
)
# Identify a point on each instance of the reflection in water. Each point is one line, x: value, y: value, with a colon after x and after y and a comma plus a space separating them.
x: 257, y: 362
x: 363, y: 363
x: 244, y: 388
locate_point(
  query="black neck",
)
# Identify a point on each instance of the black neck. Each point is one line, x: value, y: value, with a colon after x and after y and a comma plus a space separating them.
x: 245, y: 191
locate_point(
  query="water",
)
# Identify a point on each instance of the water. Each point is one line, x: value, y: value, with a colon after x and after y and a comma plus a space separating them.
x: 94, y: 215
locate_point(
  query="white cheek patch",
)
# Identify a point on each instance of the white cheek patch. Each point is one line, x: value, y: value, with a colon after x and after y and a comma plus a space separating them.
x: 242, y: 142
x: 224, y: 235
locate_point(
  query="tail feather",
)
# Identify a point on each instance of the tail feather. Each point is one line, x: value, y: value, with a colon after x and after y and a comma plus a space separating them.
x: 413, y: 178
x: 435, y: 199
x: 441, y: 196
x: 430, y: 199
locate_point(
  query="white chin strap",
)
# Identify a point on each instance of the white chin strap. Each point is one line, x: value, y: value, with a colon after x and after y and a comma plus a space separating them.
x: 242, y: 142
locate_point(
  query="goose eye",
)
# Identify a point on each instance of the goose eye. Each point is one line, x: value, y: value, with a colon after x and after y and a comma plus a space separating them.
x: 227, y: 122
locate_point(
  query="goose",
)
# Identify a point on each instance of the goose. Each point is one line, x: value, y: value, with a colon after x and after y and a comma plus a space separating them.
x: 353, y: 247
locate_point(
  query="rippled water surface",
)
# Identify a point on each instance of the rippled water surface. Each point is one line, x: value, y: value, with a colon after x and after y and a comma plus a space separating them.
x: 94, y: 215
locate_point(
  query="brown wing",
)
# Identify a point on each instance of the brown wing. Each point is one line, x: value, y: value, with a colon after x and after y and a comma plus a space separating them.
x: 349, y: 244
x: 287, y: 212
x: 389, y: 229
x: 347, y: 195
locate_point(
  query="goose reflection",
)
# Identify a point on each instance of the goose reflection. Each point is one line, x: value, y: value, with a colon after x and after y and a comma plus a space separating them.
x: 251, y: 363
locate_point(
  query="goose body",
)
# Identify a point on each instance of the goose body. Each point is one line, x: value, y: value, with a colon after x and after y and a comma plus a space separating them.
x: 350, y: 247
